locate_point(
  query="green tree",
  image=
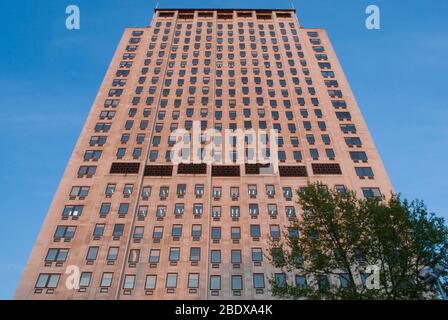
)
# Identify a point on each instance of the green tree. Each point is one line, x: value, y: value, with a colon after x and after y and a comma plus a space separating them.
x: 331, y: 246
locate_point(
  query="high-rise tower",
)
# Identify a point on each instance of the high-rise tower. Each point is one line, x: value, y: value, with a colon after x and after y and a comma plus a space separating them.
x: 137, y: 225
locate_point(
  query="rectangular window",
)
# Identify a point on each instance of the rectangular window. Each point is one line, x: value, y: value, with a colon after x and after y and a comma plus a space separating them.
x: 72, y: 211
x: 235, y: 256
x: 176, y: 230
x: 274, y: 231
x: 215, y: 256
x: 353, y: 141
x: 81, y: 192
x: 193, y: 280
x: 171, y: 280
x: 196, y: 230
x: 127, y: 190
x: 358, y: 156
x: 259, y: 281
x: 216, y: 233
x: 138, y: 232
x: 195, y: 254
x: 105, y: 209
x: 237, y: 282
x: 123, y: 209
x: 217, y: 192
x: 216, y: 212
x: 154, y: 256
x: 179, y: 209
x: 174, y: 254
x: 215, y: 282
x: 364, y: 172
x: 272, y: 210
x: 235, y: 233
x: 235, y: 212
x: 110, y: 189
x: 84, y: 280
x: 151, y: 281
x: 118, y: 230
x: 56, y: 255
x: 181, y: 190
x: 157, y: 233
x: 161, y: 212
x: 197, y: 209
x: 146, y: 192
x: 254, y: 209
x: 290, y: 212
x: 234, y: 192
x: 270, y: 191
x: 47, y: 281
x: 372, y: 193
x: 142, y: 211
x: 199, y: 190
x: 255, y: 231
x: 112, y: 254
x: 106, y: 279
x: 66, y: 232
x: 129, y: 282
x: 92, y: 253
x: 257, y: 254
x: 163, y: 193
x: 252, y: 190
x: 134, y: 256
x: 99, y: 230
x: 287, y: 193
x: 297, y: 155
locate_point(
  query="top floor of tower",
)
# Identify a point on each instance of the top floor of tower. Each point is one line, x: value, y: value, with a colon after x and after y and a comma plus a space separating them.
x: 251, y: 16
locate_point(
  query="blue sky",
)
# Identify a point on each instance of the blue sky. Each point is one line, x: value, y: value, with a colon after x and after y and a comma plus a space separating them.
x: 50, y: 76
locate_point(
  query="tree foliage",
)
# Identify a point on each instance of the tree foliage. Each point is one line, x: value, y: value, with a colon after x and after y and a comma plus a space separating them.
x: 340, y: 235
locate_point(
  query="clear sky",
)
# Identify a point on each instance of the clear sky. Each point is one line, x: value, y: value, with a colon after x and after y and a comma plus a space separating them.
x: 49, y: 78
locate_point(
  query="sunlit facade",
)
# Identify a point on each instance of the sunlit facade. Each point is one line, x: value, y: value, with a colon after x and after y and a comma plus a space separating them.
x: 138, y: 226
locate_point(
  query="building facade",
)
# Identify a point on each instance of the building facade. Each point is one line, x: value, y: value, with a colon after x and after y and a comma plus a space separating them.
x: 134, y: 224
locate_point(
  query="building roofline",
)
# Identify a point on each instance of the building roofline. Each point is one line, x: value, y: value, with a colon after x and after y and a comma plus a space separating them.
x: 222, y: 9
